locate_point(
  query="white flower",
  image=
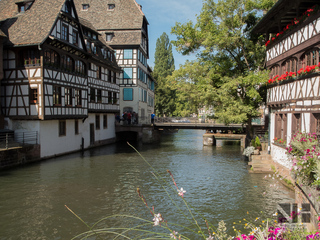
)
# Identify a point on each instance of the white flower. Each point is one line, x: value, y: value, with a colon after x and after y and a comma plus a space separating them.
x: 157, y: 219
x: 181, y: 192
x: 173, y: 234
x: 209, y: 238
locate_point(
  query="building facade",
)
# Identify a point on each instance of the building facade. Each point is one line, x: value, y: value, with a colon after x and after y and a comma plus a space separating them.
x: 292, y: 30
x: 125, y: 28
x: 58, y: 76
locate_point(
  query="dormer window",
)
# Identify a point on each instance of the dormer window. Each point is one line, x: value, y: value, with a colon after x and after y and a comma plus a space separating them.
x: 109, y: 37
x: 24, y: 6
x: 111, y: 6
x: 85, y: 7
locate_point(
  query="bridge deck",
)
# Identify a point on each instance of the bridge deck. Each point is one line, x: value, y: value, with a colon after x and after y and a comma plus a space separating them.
x: 203, y: 126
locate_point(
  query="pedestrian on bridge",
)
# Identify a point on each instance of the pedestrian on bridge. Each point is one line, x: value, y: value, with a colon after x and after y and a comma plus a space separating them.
x: 152, y: 118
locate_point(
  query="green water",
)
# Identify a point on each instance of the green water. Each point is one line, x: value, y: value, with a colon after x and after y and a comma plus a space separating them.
x: 103, y: 181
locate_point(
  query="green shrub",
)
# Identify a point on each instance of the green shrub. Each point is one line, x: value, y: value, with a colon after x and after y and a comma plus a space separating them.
x: 257, y: 142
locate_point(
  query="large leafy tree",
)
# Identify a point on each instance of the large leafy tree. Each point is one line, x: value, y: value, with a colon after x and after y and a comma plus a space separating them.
x: 164, y: 66
x: 231, y: 57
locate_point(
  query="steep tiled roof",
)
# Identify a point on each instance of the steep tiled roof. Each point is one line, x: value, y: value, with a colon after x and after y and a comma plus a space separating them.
x: 32, y: 26
x: 2, y: 34
x: 127, y: 14
x: 89, y: 25
x: 126, y: 38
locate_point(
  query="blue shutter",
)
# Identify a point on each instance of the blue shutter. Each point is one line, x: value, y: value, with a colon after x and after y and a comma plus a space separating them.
x: 127, y: 94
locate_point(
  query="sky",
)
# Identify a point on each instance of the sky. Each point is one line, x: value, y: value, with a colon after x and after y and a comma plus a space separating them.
x: 162, y: 15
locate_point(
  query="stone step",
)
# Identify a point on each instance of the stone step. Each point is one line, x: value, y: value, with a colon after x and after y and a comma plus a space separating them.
x: 262, y: 157
x: 261, y: 166
x: 261, y: 161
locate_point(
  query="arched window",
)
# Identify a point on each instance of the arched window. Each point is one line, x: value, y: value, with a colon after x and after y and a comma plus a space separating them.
x: 274, y: 71
x: 51, y: 58
x: 67, y: 63
x: 310, y: 58
x: 80, y: 67
x: 290, y: 65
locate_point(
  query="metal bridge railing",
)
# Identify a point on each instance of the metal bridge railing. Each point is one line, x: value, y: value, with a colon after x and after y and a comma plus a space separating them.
x: 193, y: 120
x: 11, y: 139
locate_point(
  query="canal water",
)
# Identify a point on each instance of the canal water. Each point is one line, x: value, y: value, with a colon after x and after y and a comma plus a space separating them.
x: 104, y: 181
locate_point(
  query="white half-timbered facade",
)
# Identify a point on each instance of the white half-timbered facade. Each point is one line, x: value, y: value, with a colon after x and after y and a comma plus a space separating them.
x: 292, y: 31
x: 125, y: 28
x: 51, y: 84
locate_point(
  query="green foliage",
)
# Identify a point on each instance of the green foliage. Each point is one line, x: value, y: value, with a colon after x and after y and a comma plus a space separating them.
x: 257, y: 142
x: 164, y: 66
x: 253, y: 143
x: 227, y: 73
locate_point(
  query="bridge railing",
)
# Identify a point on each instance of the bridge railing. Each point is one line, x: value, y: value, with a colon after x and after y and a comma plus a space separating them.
x: 182, y: 120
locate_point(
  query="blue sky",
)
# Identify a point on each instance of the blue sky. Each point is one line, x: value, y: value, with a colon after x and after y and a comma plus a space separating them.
x: 162, y: 16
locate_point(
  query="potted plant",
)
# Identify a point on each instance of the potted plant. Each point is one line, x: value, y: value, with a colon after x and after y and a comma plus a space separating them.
x: 257, y: 143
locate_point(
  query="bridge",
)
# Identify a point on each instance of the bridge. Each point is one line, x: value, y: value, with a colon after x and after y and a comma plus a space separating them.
x: 214, y: 131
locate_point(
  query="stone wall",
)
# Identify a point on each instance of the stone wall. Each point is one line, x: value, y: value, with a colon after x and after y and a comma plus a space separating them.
x: 19, y: 156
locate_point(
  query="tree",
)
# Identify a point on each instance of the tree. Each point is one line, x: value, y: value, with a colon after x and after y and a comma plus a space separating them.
x: 232, y: 55
x: 164, y: 66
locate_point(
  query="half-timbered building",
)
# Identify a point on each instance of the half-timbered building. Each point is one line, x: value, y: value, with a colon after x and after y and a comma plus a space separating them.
x: 125, y: 28
x: 292, y: 30
x: 51, y: 85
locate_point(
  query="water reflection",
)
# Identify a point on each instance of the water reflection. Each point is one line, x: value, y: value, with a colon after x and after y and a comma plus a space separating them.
x: 103, y: 181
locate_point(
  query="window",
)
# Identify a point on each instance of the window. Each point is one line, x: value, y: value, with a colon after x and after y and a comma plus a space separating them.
x: 76, y: 127
x: 62, y: 128
x: 98, y: 72
x: 315, y: 123
x: 85, y: 7
x: 296, y: 123
x: 111, y: 6
x: 109, y: 75
x: 33, y: 95
x: 290, y: 65
x: 67, y: 96
x: 97, y: 122
x: 127, y: 54
x: 75, y: 37
x: 29, y: 57
x: 127, y: 94
x: 67, y: 63
x: 105, y: 121
x: 110, y: 97
x: 114, y: 77
x: 24, y: 6
x: 92, y: 95
x: 127, y: 73
x: 281, y: 126
x: 115, y: 99
x: 56, y: 95
x: 310, y: 58
x: 65, y: 32
x: 80, y: 67
x: 94, y: 49
x: 109, y: 37
x: 51, y: 58
x: 77, y: 97
x: 88, y: 45
x: 99, y: 95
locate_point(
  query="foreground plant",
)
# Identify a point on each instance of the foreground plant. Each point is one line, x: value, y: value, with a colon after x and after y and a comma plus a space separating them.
x: 203, y: 229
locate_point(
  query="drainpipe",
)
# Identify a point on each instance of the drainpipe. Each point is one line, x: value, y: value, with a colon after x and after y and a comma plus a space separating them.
x: 269, y: 130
